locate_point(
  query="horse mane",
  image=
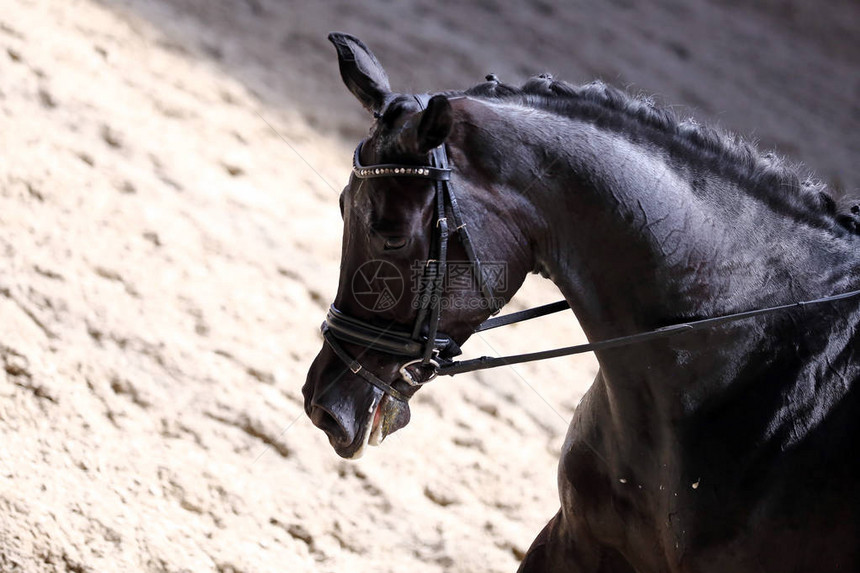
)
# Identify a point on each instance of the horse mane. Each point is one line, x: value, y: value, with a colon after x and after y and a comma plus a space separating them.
x: 786, y: 187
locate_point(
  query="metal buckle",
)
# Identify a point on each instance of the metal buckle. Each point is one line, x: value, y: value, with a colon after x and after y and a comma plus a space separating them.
x: 407, y: 376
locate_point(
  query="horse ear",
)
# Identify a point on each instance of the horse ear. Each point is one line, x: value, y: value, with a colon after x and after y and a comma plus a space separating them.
x: 361, y: 71
x: 431, y: 128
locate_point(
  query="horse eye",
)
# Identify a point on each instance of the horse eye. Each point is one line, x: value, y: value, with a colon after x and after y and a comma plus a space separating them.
x: 395, y: 243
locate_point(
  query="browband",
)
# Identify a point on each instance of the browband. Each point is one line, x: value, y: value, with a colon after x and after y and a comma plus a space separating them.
x: 389, y: 169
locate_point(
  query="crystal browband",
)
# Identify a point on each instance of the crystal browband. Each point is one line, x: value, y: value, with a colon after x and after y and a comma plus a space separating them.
x: 388, y: 170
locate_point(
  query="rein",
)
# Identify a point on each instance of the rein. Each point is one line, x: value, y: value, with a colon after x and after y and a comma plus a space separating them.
x: 429, y: 352
x: 485, y: 362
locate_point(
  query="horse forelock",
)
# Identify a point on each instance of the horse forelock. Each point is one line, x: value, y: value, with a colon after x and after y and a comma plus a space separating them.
x: 787, y: 186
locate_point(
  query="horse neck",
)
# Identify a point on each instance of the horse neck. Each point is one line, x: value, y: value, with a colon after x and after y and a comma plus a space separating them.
x: 636, y: 241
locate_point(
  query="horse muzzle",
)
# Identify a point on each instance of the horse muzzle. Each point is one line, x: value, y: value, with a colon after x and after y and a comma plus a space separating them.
x: 352, y: 413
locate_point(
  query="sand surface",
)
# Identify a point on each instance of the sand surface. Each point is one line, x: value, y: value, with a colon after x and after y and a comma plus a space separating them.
x: 169, y: 242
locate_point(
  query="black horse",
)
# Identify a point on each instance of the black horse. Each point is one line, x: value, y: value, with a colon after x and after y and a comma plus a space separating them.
x: 730, y: 449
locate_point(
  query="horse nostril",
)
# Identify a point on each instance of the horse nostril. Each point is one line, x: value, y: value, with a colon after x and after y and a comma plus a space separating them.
x: 328, y: 423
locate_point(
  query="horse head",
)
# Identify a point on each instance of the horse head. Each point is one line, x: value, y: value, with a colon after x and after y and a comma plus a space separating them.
x: 411, y: 287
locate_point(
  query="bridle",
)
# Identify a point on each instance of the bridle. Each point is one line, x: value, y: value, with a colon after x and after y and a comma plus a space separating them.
x: 424, y: 347
x: 428, y: 352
